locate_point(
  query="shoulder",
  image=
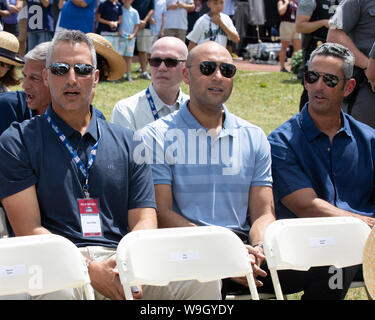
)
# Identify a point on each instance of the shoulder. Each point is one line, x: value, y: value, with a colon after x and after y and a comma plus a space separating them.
x: 132, y: 102
x: 360, y: 129
x: 285, y: 132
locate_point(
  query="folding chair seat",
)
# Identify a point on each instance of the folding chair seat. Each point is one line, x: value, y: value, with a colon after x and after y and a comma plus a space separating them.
x: 159, y: 256
x: 302, y: 243
x: 41, y: 264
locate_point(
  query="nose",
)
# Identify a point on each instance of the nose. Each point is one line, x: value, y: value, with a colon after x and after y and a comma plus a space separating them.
x: 217, y: 74
x: 163, y: 66
x: 71, y: 76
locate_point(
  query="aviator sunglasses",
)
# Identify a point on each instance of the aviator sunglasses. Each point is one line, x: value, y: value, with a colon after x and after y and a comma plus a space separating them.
x: 169, y: 62
x: 61, y: 68
x: 331, y: 80
x: 208, y: 67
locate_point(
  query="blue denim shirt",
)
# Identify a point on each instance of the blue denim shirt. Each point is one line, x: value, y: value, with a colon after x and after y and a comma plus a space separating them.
x: 342, y: 173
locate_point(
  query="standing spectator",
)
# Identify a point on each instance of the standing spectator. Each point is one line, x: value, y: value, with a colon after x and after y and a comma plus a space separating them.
x: 176, y: 22
x: 109, y: 15
x: 157, y: 29
x: 230, y: 10
x: 145, y: 10
x: 4, y: 12
x: 39, y: 22
x: 288, y: 10
x: 77, y: 15
x: 213, y: 26
x: 128, y: 29
x: 194, y: 15
x: 11, y: 22
x: 353, y: 26
x: 22, y: 28
x: 9, y: 58
x: 312, y: 21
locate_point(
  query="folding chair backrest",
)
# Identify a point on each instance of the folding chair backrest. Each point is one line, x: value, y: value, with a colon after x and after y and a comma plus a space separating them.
x: 302, y: 243
x: 41, y: 264
x: 158, y: 256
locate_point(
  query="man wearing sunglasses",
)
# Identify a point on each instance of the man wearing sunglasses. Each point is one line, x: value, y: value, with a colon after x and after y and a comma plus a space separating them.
x: 163, y: 95
x: 216, y: 166
x: 69, y: 162
x: 323, y: 160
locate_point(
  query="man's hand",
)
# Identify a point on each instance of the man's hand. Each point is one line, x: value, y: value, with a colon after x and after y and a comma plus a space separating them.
x: 105, y: 279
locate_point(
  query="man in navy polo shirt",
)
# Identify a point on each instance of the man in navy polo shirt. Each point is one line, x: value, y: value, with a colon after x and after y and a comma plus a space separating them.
x: 323, y: 160
x: 56, y: 167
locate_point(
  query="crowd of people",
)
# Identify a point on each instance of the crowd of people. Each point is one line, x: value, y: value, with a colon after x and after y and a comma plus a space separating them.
x: 168, y: 158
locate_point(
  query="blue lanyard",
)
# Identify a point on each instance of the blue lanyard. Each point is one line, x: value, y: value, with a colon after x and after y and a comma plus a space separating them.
x: 152, y: 104
x: 81, y: 167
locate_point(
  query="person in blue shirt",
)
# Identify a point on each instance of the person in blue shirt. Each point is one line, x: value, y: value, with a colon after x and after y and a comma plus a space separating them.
x: 56, y: 167
x: 323, y: 160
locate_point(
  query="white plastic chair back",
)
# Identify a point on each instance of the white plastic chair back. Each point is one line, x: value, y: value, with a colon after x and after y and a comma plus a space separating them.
x: 158, y: 256
x: 41, y: 264
x: 302, y: 243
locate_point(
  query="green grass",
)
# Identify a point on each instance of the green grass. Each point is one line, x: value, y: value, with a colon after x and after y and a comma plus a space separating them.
x: 264, y: 99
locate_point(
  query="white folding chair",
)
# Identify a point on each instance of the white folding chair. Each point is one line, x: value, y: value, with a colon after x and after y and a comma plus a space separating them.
x: 3, y: 227
x: 302, y: 243
x: 158, y: 256
x: 41, y: 264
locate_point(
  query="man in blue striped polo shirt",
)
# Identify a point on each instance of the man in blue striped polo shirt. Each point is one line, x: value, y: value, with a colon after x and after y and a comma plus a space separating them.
x: 209, y: 166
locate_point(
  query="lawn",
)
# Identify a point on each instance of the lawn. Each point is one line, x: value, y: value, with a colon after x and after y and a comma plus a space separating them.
x: 266, y: 99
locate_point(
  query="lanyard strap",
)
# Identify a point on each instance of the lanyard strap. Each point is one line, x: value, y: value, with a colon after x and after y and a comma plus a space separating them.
x: 152, y: 103
x: 81, y: 167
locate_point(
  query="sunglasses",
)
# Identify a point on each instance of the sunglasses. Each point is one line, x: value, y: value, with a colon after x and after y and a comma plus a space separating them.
x: 209, y: 67
x: 169, y: 62
x: 61, y: 68
x: 331, y: 80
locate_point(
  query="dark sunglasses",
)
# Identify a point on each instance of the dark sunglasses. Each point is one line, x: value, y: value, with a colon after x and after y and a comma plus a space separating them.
x: 208, y: 67
x: 331, y: 80
x: 169, y: 62
x: 61, y: 68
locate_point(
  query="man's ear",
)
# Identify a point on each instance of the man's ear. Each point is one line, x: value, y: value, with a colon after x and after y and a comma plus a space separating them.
x: 349, y: 87
x: 45, y: 77
x: 185, y: 75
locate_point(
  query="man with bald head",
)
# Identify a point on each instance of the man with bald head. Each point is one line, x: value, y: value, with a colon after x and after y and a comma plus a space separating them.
x: 163, y: 95
x: 209, y: 166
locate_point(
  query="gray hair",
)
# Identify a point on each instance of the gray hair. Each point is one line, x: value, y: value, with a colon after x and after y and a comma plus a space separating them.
x: 73, y: 37
x: 38, y: 53
x: 338, y: 51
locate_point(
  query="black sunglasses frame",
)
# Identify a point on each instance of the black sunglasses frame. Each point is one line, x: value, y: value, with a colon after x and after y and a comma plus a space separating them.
x: 331, y: 80
x: 62, y: 68
x: 207, y: 68
x: 169, y: 62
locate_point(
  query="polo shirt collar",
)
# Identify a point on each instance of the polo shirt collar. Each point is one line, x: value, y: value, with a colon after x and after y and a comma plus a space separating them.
x: 68, y: 131
x: 310, y: 129
x: 192, y: 123
x: 159, y: 104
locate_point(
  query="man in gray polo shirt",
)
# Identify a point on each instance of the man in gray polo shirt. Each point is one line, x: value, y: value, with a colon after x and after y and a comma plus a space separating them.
x: 163, y: 95
x: 353, y: 26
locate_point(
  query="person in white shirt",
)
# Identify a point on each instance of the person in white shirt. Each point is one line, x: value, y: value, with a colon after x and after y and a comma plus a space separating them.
x: 176, y: 21
x: 213, y: 26
x: 163, y: 95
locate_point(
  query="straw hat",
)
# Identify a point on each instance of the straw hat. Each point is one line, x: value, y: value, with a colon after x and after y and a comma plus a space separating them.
x: 9, y: 46
x: 369, y: 263
x: 117, y: 65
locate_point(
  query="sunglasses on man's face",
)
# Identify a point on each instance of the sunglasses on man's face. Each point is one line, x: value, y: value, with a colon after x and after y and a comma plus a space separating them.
x: 331, y: 80
x: 209, y: 67
x: 62, y: 68
x: 169, y: 62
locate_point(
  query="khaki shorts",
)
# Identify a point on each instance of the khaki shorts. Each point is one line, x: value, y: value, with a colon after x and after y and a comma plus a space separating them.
x: 178, y: 33
x: 288, y: 31
x: 144, y: 40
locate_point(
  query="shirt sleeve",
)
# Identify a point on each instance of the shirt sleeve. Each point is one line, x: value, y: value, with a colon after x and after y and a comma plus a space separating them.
x: 122, y: 116
x: 16, y: 172
x: 287, y: 174
x: 196, y: 34
x: 306, y: 7
x: 154, y: 154
x: 346, y: 16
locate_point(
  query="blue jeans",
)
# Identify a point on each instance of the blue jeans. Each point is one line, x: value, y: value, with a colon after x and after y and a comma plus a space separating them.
x: 36, y: 37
